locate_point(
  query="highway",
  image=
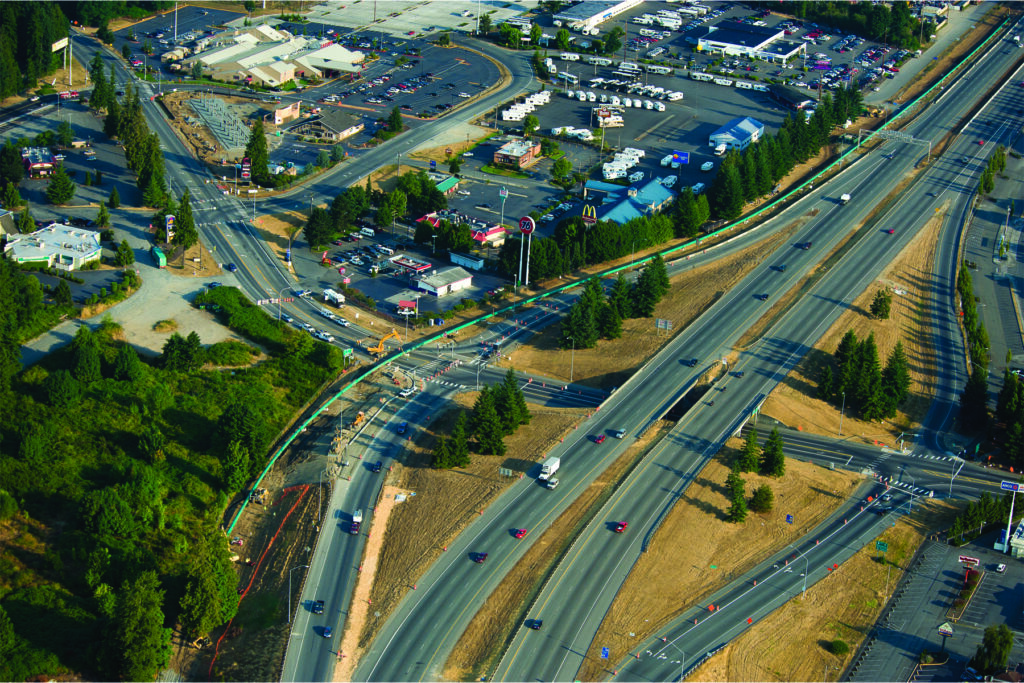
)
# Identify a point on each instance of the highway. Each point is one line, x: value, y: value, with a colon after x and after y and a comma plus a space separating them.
x: 410, y: 647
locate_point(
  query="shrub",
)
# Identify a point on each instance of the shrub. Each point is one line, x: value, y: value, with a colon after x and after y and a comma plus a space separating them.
x: 839, y: 647
x: 230, y: 353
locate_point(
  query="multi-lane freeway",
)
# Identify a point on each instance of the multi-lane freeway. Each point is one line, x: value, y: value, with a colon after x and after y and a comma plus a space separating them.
x: 411, y: 646
x: 415, y: 641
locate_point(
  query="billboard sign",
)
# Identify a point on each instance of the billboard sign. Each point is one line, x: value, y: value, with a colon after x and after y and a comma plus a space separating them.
x: 973, y: 561
x: 169, y: 226
x: 1010, y: 486
x: 589, y: 214
x: 246, y: 168
x: 526, y: 225
x: 680, y: 157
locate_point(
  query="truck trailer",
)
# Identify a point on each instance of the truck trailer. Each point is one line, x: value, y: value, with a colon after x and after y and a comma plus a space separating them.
x: 549, y: 467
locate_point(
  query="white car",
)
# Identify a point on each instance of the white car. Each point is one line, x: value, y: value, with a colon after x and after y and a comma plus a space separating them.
x: 323, y: 336
x: 1000, y: 568
x: 464, y: 95
x: 707, y: 166
x: 342, y: 322
x: 406, y: 393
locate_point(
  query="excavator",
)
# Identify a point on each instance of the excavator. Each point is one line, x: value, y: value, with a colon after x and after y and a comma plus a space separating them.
x: 379, y: 349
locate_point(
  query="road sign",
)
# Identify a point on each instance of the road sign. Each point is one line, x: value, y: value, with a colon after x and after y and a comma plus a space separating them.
x: 946, y: 630
x: 526, y: 225
x: 345, y: 353
x: 964, y: 559
x: 881, y: 546
x: 1010, y: 486
x: 789, y: 519
x: 604, y: 653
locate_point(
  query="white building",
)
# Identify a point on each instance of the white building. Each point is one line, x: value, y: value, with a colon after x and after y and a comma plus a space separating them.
x: 57, y: 245
x: 592, y: 13
x: 737, y: 134
x: 446, y: 281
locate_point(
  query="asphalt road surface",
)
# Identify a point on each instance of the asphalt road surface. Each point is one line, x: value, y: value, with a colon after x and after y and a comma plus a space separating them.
x: 410, y: 647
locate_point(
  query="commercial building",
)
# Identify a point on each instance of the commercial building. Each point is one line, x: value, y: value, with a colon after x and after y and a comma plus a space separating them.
x: 611, y: 202
x: 271, y: 57
x: 39, y: 161
x: 737, y: 39
x: 738, y: 134
x: 284, y: 114
x: 446, y: 281
x: 56, y: 246
x: 8, y: 225
x: 592, y: 13
x: 467, y: 260
x: 332, y: 124
x: 517, y: 153
x: 791, y: 97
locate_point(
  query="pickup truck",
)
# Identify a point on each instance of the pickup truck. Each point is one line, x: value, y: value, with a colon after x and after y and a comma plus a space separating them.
x: 357, y: 519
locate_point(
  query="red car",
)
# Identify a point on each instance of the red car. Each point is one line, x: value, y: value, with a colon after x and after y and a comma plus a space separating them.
x: 891, y: 231
x: 519, y: 533
x: 620, y: 527
x: 600, y: 438
x: 480, y: 558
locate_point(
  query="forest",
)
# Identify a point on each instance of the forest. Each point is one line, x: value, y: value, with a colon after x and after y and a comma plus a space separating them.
x: 115, y: 471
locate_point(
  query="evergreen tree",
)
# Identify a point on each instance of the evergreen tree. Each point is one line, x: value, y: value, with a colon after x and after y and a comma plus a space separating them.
x: 659, y: 276
x: 115, y: 199
x: 62, y: 390
x: 85, y: 354
x: 12, y: 168
x: 763, y: 499
x: 881, y: 305
x: 395, y: 124
x: 749, y: 460
x: 127, y: 366
x: 103, y: 217
x: 826, y: 389
x: 974, y: 400
x: 185, y: 233
x: 65, y: 134
x: 727, y: 189
x: 318, y: 228
x: 139, y: 645
x: 773, y: 460
x: 26, y: 223
x: 847, y: 361
x: 235, y: 471
x: 62, y: 293
x: 738, y: 509
x: 98, y: 177
x: 441, y: 458
x: 87, y: 181
x: 487, y: 425
x: 256, y: 151
x: 12, y: 198
x: 609, y: 324
x: 61, y: 189
x: 459, y: 450
x: 868, y: 392
x: 125, y: 256
x: 686, y: 218
x: 154, y: 194
x: 733, y: 481
x: 895, y: 380
x: 112, y: 122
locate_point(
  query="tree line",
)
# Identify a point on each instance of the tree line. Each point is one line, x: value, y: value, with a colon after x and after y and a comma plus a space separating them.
x: 415, y: 194
x: 595, y: 316
x: 754, y: 172
x: 889, y: 24
x: 499, y: 411
x: 27, y: 30
x: 770, y: 461
x: 974, y: 398
x: 856, y: 380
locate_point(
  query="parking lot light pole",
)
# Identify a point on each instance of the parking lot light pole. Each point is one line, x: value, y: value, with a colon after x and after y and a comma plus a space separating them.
x: 301, y: 566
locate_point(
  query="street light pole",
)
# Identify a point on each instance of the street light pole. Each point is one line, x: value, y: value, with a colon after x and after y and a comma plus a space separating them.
x: 572, y: 358
x: 301, y: 566
x: 843, y: 410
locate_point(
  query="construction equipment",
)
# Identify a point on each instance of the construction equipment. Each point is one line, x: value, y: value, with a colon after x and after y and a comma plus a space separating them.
x: 360, y: 416
x: 379, y: 349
